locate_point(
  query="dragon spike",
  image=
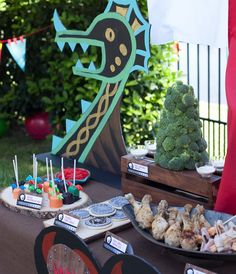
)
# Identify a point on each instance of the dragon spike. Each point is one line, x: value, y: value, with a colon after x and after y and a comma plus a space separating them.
x: 55, y: 141
x: 92, y: 66
x: 84, y: 46
x: 72, y: 45
x: 61, y: 45
x: 69, y: 124
x: 85, y: 105
x: 57, y: 22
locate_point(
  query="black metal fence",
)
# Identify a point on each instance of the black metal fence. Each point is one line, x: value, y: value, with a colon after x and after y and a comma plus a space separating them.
x: 204, y: 69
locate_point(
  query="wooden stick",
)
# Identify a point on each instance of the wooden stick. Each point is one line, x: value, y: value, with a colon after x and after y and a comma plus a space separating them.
x: 33, y: 165
x: 47, y: 169
x: 52, y: 178
x: 14, y: 166
x: 230, y: 219
x: 62, y: 173
x: 74, y: 172
x: 36, y: 173
x: 17, y: 174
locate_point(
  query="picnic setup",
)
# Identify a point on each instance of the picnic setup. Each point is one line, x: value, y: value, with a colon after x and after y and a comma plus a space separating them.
x: 117, y: 137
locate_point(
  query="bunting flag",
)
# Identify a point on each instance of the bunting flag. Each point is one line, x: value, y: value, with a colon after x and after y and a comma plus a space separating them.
x: 17, y: 49
x: 17, y: 46
x: 226, y: 198
x: 194, y: 21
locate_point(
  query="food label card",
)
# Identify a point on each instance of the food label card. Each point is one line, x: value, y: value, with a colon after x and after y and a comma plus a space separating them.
x: 116, y: 244
x: 137, y: 169
x: 30, y: 200
x: 67, y: 221
x: 193, y: 269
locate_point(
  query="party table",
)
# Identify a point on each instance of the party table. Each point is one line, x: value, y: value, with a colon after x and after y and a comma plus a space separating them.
x: 18, y: 234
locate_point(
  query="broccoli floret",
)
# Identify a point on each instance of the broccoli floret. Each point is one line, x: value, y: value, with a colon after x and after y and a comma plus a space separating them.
x: 169, y: 143
x: 193, y: 146
x: 161, y: 135
x: 190, y: 164
x: 185, y: 157
x: 181, y: 106
x: 169, y: 104
x: 202, y: 144
x: 182, y: 141
x: 176, y: 163
x: 163, y: 161
x: 191, y: 112
x: 195, y: 135
x: 188, y: 100
x: 204, y: 157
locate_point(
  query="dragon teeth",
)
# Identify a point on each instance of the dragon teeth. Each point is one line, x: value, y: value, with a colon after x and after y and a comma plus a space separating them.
x: 61, y: 45
x: 84, y: 46
x: 92, y: 66
x: 72, y: 45
x: 78, y: 64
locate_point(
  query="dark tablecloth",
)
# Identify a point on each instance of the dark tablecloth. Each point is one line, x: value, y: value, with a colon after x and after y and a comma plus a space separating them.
x: 18, y: 233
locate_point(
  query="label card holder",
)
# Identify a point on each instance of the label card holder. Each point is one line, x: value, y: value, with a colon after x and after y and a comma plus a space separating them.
x: 193, y: 269
x: 67, y: 221
x: 137, y: 169
x: 116, y: 244
x: 30, y: 201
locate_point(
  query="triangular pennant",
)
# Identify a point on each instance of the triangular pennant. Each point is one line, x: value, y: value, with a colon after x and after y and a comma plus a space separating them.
x: 17, y: 51
x: 69, y: 124
x: 55, y: 141
x: 85, y: 105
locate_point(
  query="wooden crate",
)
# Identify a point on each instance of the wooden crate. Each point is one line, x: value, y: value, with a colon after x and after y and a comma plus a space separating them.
x: 177, y: 187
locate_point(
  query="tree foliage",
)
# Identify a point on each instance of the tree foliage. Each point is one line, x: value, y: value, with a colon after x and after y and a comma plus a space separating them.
x: 48, y: 82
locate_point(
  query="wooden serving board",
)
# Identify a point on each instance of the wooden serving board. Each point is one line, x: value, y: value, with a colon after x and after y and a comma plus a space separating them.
x: 88, y: 234
x: 45, y: 212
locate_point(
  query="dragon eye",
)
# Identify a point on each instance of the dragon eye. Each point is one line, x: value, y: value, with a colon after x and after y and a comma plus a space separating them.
x: 110, y: 34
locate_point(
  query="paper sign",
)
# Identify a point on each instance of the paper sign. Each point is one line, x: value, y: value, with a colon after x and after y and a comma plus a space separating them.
x: 67, y: 221
x: 29, y: 200
x: 115, y: 244
x: 138, y: 169
x: 193, y: 269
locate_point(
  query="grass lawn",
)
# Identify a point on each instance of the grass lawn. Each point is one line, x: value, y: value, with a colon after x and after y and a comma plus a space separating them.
x: 21, y: 145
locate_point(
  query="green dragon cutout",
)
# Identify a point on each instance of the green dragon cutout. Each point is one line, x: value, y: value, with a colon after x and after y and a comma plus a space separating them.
x: 122, y: 34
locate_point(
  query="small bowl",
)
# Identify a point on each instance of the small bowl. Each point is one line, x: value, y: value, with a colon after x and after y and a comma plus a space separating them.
x: 151, y: 146
x: 205, y: 170
x: 138, y: 151
x: 218, y: 163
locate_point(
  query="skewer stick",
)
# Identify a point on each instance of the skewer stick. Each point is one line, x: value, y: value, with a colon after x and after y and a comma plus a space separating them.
x: 14, y: 166
x: 47, y: 169
x: 63, y: 175
x: 52, y: 178
x: 17, y: 174
x: 36, y: 173
x: 230, y: 219
x: 74, y: 172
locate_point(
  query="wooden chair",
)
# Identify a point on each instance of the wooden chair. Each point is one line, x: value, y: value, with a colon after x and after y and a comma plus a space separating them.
x: 128, y: 264
x: 58, y: 251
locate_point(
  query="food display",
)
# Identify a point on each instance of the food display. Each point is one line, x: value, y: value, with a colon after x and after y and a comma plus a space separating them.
x: 102, y: 215
x: 78, y: 175
x: 53, y: 193
x: 187, y: 228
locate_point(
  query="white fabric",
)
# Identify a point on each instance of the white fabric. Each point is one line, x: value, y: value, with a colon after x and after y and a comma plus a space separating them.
x: 194, y: 21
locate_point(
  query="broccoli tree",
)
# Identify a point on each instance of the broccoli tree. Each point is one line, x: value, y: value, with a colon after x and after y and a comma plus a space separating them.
x: 179, y: 138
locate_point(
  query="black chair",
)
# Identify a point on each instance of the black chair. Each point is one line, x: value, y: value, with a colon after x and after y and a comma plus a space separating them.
x: 57, y: 250
x: 128, y: 264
